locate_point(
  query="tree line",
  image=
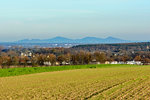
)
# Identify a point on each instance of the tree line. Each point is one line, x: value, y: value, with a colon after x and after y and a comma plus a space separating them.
x: 79, y: 58
x: 23, y: 57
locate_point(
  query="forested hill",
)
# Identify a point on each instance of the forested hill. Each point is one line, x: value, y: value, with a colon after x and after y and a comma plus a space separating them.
x: 142, y: 46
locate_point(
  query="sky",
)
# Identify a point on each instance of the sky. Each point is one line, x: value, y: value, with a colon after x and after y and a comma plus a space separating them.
x: 43, y: 19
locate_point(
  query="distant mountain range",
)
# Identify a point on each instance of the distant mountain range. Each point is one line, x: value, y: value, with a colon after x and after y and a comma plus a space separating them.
x: 86, y: 40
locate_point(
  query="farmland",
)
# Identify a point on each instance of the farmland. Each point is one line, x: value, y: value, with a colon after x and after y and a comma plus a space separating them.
x: 85, y: 82
x: 30, y: 70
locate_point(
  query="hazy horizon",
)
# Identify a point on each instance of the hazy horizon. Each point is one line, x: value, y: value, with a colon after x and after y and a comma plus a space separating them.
x: 37, y: 19
x: 30, y: 38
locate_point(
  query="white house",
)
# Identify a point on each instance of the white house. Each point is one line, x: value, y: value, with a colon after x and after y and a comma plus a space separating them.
x: 114, y: 62
x: 57, y: 63
x: 131, y: 63
x: 65, y: 63
x: 134, y: 63
x: 121, y: 62
x: 107, y: 62
x: 139, y: 63
x: 47, y: 63
x: 94, y: 62
x: 29, y: 54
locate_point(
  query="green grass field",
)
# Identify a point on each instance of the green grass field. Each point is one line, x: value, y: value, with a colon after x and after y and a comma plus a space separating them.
x: 93, y: 82
x: 31, y: 70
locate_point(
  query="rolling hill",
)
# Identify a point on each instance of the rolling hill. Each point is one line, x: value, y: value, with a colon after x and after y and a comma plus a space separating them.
x: 86, y: 40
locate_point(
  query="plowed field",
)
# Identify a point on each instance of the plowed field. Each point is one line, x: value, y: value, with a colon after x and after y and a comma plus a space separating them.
x: 95, y: 84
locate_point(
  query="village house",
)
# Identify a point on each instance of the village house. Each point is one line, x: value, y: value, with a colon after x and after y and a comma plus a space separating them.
x: 107, y: 62
x: 94, y: 62
x: 121, y: 62
x: 26, y: 54
x: 57, y: 63
x: 139, y: 63
x: 47, y: 63
x: 134, y: 63
x: 65, y: 63
x: 128, y: 62
x: 114, y: 62
x: 29, y: 62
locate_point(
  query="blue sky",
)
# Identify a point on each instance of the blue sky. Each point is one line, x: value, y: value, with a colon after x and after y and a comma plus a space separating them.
x: 126, y: 19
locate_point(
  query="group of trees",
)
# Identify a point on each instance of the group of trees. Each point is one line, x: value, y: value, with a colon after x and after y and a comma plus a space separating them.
x: 11, y: 58
x: 143, y: 46
x: 61, y: 56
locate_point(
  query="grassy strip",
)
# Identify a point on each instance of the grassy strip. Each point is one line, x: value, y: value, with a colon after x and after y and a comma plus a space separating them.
x: 31, y: 70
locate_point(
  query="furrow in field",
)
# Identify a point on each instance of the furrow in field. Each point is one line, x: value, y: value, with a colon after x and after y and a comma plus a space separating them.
x: 105, y: 89
x: 127, y: 90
